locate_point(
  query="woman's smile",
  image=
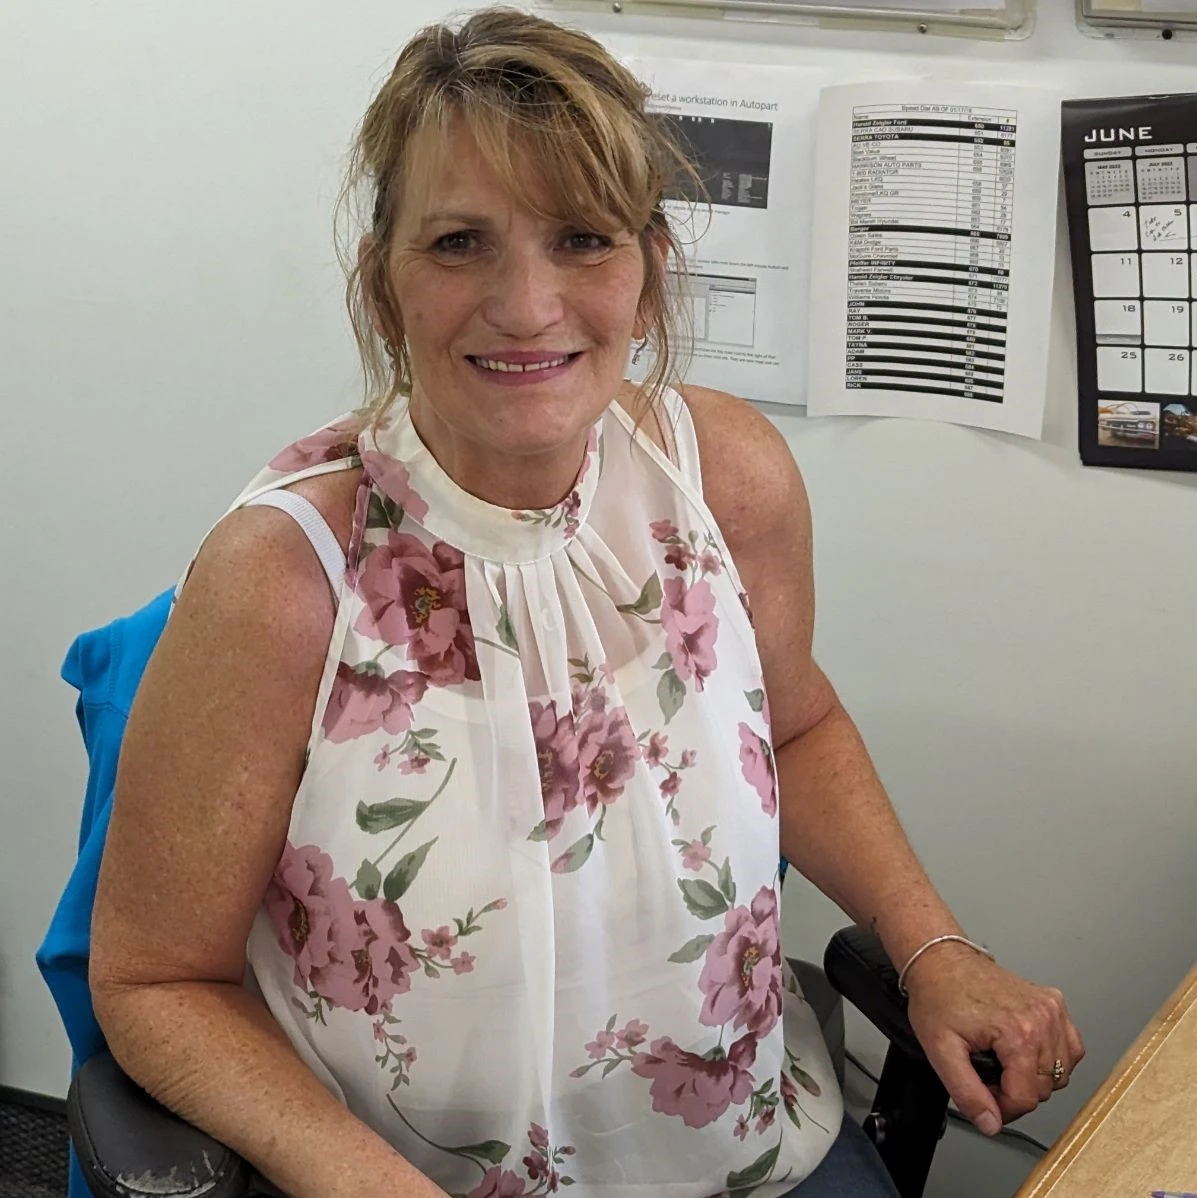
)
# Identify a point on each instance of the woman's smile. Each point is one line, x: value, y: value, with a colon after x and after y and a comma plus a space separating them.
x: 522, y: 368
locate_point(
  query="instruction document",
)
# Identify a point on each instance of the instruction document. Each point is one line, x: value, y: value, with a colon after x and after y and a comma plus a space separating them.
x: 750, y: 132
x: 935, y: 210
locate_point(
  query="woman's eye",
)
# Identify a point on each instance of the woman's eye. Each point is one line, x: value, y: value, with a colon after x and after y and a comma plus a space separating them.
x: 587, y: 243
x: 462, y: 242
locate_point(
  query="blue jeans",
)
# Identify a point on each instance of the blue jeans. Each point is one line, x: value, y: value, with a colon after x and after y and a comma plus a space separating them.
x: 852, y: 1169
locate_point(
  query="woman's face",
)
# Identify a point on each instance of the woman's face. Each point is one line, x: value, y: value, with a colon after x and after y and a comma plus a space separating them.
x: 518, y: 326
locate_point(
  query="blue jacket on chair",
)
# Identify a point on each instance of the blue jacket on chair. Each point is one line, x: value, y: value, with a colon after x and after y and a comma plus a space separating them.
x: 105, y: 667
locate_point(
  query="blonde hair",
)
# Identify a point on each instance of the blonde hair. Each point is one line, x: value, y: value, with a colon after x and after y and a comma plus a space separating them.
x: 524, y: 88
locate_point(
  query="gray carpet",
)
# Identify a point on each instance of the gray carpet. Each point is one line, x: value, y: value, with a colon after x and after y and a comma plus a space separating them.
x: 33, y: 1152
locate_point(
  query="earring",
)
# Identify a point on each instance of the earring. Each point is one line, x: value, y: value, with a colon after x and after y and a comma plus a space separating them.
x: 638, y: 351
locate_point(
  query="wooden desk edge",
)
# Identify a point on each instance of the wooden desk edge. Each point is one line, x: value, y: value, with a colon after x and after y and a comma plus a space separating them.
x: 1091, y: 1116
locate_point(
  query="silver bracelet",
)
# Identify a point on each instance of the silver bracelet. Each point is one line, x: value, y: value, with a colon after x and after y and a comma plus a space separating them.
x: 918, y: 952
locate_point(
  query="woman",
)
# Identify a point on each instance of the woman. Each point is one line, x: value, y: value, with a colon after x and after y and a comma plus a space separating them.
x: 495, y: 818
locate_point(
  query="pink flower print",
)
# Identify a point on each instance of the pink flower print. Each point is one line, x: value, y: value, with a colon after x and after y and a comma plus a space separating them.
x: 680, y: 556
x: 657, y: 748
x: 364, y: 700
x: 557, y: 760
x: 415, y: 596
x: 440, y: 942
x: 380, y: 1030
x: 414, y: 762
x: 607, y: 756
x: 632, y: 1034
x: 538, y: 1166
x: 392, y: 476
x: 326, y: 445
x: 766, y: 1119
x: 741, y: 975
x: 538, y: 1137
x: 589, y: 699
x: 689, y: 757
x: 463, y: 964
x: 789, y: 1091
x: 409, y: 1057
x: 383, y: 757
x: 765, y: 710
x: 740, y: 1131
x: 500, y: 904
x: 697, y: 1089
x: 311, y: 909
x: 498, y: 1183
x: 372, y: 966
x: 709, y: 562
x: 688, y: 617
x: 756, y: 764
x: 597, y: 1048
x: 662, y: 530
x: 695, y: 855
x: 672, y: 784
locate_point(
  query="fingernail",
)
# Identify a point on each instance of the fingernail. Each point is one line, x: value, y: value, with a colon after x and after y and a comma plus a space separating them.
x: 988, y: 1123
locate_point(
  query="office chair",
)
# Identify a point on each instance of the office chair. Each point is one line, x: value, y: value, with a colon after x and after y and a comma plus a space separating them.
x: 131, y: 1147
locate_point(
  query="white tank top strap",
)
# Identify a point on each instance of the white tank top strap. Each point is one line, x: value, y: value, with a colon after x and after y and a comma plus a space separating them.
x: 315, y: 528
x: 685, y: 441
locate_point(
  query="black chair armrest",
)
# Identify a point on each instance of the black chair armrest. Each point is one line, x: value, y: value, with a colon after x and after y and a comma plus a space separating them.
x: 130, y: 1146
x: 858, y: 967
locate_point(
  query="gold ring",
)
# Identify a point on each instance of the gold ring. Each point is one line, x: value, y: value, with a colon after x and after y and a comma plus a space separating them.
x: 1056, y: 1072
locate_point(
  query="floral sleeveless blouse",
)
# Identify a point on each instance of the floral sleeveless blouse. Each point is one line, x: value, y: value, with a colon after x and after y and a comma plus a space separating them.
x: 525, y: 925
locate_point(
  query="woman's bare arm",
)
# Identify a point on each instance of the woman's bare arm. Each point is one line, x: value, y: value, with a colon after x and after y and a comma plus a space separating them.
x: 210, y: 764
x: 838, y: 826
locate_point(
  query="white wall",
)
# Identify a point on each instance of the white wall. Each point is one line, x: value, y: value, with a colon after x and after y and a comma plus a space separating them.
x: 1014, y: 633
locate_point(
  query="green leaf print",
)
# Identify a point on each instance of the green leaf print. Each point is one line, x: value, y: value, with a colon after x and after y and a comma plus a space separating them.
x: 692, y: 950
x: 756, y: 1173
x: 805, y: 1080
x: 702, y: 899
x: 756, y: 699
x: 648, y: 601
x: 383, y: 512
x: 489, y: 1150
x: 671, y: 690
x: 726, y: 886
x: 575, y: 856
x: 540, y: 832
x: 368, y: 880
x: 504, y: 630
x: 404, y: 873
x: 382, y: 817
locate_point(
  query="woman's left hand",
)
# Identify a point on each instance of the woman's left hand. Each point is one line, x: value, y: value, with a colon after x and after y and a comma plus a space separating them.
x: 960, y: 1003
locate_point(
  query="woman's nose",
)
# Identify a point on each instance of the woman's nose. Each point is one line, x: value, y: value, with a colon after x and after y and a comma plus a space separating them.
x: 526, y: 294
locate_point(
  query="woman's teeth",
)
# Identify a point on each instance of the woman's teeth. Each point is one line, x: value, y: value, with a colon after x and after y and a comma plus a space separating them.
x: 516, y: 368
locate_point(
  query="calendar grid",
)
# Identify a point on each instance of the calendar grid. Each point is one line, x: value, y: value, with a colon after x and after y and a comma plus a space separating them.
x: 1131, y: 182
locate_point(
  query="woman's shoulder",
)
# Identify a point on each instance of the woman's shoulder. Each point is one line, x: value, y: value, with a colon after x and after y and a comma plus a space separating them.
x: 750, y: 479
x: 257, y: 569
